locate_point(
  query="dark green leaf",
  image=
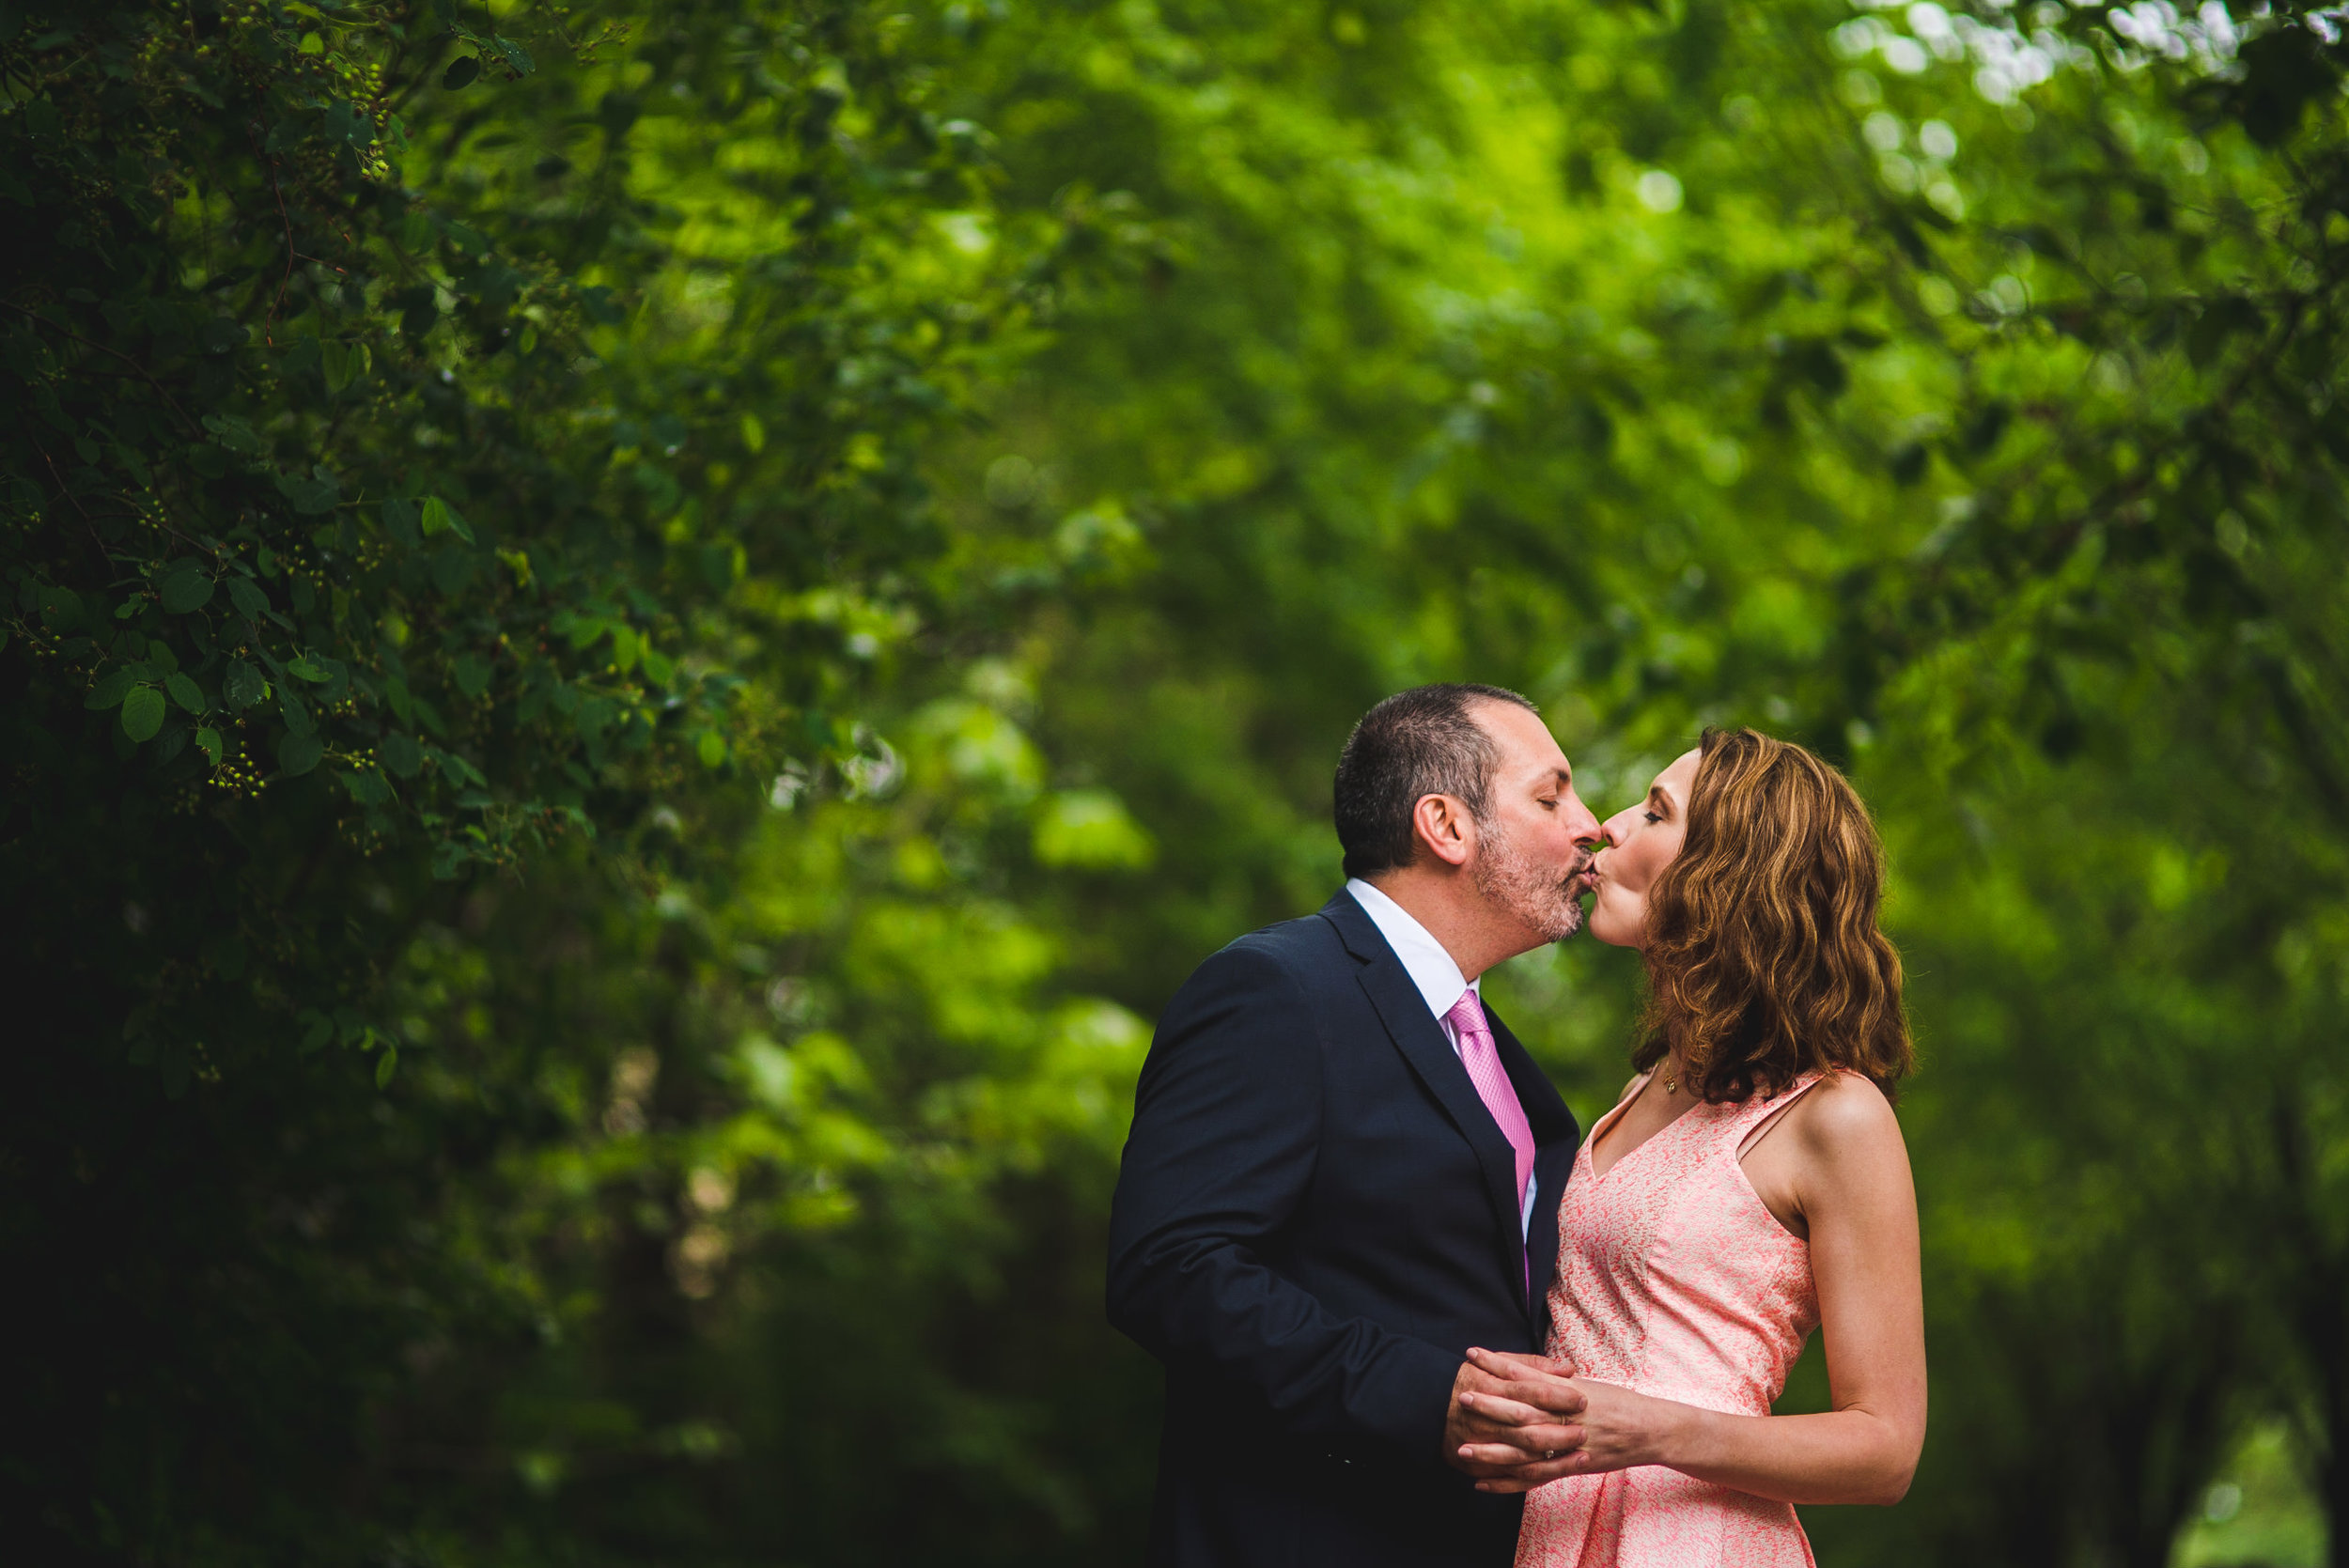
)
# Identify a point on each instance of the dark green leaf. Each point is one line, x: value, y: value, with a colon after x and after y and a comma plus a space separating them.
x: 402, y: 756
x: 186, y: 590
x: 245, y: 685
x: 367, y: 788
x: 142, y: 713
x: 110, y: 690
x: 311, y: 493
x: 401, y: 522
x: 460, y: 72
x: 185, y: 692
x: 297, y: 754
x: 317, y: 1030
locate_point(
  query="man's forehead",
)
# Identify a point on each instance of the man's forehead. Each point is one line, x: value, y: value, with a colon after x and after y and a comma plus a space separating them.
x: 1523, y: 732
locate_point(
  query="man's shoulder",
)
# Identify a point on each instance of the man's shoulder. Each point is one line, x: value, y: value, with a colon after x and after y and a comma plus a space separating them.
x: 1309, y: 939
x: 1307, y: 952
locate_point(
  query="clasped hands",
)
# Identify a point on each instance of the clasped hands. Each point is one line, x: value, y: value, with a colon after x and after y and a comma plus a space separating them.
x: 1517, y: 1420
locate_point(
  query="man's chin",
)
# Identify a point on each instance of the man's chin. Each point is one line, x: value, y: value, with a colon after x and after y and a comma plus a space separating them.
x: 1569, y: 923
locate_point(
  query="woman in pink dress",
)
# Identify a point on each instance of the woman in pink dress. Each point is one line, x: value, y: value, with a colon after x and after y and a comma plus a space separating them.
x: 1751, y: 1185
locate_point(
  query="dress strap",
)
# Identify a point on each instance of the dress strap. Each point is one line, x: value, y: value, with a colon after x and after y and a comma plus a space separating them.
x: 1758, y: 1115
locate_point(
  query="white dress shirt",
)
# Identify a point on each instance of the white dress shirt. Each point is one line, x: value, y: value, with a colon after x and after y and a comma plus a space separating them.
x: 1437, y: 976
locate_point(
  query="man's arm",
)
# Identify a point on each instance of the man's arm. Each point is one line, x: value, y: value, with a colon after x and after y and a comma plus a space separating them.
x: 1227, y: 1122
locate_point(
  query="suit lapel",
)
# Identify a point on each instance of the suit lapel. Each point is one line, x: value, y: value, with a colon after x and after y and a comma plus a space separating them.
x: 1421, y: 1039
x: 1555, y: 1138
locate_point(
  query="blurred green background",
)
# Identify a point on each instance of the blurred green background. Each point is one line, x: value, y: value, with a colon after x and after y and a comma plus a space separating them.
x: 641, y: 640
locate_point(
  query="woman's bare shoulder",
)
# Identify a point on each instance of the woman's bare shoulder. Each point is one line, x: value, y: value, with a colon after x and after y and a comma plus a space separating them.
x: 1846, y: 1114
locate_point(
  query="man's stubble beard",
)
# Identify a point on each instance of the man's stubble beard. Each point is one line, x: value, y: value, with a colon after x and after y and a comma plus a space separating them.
x: 1534, y: 893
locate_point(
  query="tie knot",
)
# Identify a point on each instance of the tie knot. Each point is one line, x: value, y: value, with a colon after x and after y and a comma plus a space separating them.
x: 1468, y: 1014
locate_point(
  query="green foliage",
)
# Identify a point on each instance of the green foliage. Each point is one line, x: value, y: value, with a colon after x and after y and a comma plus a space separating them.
x: 641, y: 642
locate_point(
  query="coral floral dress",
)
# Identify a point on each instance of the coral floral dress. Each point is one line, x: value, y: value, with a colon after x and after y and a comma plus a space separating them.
x: 1673, y: 1280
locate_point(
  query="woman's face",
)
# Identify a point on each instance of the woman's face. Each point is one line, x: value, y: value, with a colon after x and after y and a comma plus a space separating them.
x: 1641, y: 842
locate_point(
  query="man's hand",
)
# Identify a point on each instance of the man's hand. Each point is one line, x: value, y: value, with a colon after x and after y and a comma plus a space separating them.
x: 1511, y: 1423
x: 1618, y: 1427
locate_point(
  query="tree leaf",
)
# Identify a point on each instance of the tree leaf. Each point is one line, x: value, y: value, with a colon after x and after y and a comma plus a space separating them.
x: 297, y: 754
x: 185, y: 691
x: 385, y: 1065
x: 186, y: 590
x: 367, y: 788
x: 313, y: 494
x: 208, y: 741
x: 244, y: 686
x: 402, y: 757
x: 317, y: 1029
x: 440, y: 517
x: 399, y: 520
x: 251, y: 603
x: 461, y: 72
x: 113, y: 689
x: 142, y: 713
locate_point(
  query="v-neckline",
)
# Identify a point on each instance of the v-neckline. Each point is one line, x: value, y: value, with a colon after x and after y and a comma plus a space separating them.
x: 1607, y: 1125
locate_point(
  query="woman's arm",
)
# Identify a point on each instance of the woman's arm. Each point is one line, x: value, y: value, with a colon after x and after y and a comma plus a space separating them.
x: 1841, y: 1166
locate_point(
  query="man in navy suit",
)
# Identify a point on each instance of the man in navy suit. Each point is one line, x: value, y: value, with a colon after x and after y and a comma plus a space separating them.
x: 1345, y: 1171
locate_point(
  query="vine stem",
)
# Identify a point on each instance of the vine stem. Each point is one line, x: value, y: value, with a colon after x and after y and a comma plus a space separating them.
x: 135, y: 365
x: 64, y: 490
x: 286, y: 220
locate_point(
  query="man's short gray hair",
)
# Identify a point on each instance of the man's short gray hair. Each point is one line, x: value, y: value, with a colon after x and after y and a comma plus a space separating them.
x: 1420, y: 742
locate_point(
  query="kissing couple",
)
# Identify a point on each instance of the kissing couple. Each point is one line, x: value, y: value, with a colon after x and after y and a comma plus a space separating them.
x: 1410, y: 1318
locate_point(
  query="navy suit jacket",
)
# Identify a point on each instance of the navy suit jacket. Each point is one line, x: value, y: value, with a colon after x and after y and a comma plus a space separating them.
x: 1315, y: 1217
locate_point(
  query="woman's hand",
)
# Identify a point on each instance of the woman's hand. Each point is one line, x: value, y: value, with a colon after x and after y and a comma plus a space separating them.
x: 1620, y: 1428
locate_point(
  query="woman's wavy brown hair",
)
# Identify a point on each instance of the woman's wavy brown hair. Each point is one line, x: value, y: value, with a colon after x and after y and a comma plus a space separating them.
x: 1763, y: 956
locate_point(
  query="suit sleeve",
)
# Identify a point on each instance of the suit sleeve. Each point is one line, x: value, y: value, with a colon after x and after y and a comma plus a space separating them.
x: 1227, y: 1124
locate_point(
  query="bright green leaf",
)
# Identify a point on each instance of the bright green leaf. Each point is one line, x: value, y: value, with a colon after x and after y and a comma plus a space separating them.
x: 440, y: 517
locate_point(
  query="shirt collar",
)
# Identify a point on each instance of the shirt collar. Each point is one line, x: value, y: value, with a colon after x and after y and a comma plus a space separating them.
x: 1424, y: 960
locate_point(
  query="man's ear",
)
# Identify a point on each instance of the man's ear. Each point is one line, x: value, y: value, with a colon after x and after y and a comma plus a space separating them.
x: 1444, y: 828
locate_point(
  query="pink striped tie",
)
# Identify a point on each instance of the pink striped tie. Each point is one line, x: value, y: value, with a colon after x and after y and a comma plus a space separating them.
x: 1483, y: 1062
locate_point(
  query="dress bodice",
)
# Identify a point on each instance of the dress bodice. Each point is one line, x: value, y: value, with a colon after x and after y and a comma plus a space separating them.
x: 1673, y: 1278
